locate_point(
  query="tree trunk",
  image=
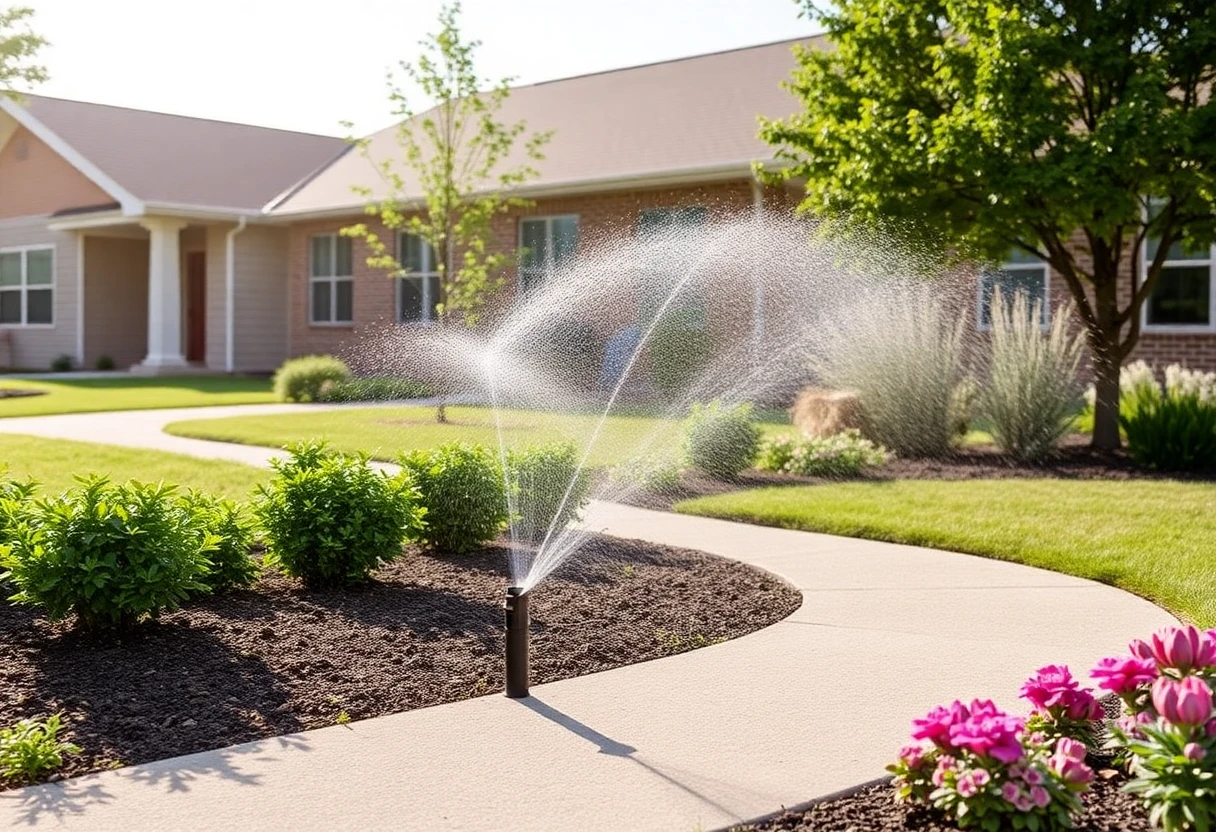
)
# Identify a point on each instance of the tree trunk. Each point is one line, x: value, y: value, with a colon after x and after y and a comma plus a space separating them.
x: 1106, y: 402
x: 441, y: 413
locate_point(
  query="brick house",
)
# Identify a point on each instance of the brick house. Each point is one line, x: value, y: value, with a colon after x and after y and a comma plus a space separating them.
x: 168, y: 243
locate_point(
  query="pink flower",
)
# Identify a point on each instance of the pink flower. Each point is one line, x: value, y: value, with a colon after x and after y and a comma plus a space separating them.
x: 1040, y: 796
x: 1071, y: 749
x: 966, y: 786
x: 1033, y: 777
x: 989, y: 732
x: 935, y: 726
x: 1183, y: 648
x: 1023, y: 803
x: 944, y: 764
x: 981, y: 777
x: 1183, y: 702
x: 1210, y: 728
x: 912, y: 755
x: 1068, y: 762
x: 1010, y: 792
x: 1053, y: 691
x: 1124, y: 674
x: 1140, y: 649
x: 1194, y: 751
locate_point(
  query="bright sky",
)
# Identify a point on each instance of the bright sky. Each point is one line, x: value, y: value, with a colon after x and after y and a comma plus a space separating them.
x: 306, y: 65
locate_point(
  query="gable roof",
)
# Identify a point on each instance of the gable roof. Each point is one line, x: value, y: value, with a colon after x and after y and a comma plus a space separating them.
x: 681, y: 118
x: 177, y: 160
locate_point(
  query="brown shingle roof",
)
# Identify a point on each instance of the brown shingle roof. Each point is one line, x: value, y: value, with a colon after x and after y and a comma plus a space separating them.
x: 681, y: 115
x: 191, y: 161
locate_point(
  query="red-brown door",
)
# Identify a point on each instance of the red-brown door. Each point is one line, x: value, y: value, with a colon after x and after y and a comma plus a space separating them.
x: 196, y: 306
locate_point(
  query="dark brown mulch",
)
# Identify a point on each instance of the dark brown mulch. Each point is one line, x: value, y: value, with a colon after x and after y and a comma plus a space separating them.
x: 17, y: 393
x: 280, y: 658
x: 1107, y: 809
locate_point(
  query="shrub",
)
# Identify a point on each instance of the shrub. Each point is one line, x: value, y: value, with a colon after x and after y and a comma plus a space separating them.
x: 655, y: 476
x: 901, y: 353
x: 110, y: 554
x: 1032, y: 389
x: 679, y: 352
x: 31, y: 749
x: 463, y: 491
x: 62, y: 364
x: 230, y: 563
x: 549, y: 489
x: 841, y: 455
x: 1170, y: 429
x: 330, y: 519
x: 301, y: 379
x: 721, y: 440
x: 373, y: 390
x: 104, y: 363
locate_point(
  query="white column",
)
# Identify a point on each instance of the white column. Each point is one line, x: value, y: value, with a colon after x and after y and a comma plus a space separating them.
x: 164, y: 295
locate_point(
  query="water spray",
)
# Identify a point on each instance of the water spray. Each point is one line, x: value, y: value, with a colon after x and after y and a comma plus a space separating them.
x: 518, y: 625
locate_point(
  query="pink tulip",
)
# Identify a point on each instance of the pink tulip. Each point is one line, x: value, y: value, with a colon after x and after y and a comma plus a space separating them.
x: 1068, y: 762
x: 1194, y: 751
x: 1124, y: 674
x: 1183, y: 648
x: 1140, y: 649
x: 1183, y: 702
x: 1071, y: 749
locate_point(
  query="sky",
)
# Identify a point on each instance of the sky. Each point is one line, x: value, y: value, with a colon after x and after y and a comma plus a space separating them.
x: 306, y: 65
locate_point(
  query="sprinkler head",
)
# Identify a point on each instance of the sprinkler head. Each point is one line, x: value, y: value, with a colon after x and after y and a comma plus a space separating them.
x: 518, y: 625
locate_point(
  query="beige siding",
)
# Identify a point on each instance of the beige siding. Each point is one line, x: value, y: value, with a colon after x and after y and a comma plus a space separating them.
x: 34, y: 348
x: 35, y: 180
x: 116, y: 300
x: 261, y: 298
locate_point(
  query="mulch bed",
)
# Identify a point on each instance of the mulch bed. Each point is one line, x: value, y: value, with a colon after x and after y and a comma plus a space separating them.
x: 1107, y: 809
x: 280, y: 658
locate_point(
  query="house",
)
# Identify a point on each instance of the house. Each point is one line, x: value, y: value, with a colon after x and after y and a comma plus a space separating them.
x: 169, y: 244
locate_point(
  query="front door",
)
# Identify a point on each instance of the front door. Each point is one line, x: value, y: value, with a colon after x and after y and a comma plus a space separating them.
x: 196, y: 306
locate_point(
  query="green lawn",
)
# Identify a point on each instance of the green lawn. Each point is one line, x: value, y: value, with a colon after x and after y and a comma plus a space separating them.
x: 386, y: 431
x: 53, y: 462
x: 128, y: 393
x: 1154, y: 538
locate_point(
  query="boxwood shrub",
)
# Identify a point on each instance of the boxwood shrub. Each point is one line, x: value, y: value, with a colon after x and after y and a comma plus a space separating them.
x: 462, y: 488
x: 721, y: 440
x: 301, y: 379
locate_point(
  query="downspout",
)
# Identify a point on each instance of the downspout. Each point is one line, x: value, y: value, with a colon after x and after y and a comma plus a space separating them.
x: 230, y: 297
x: 758, y: 281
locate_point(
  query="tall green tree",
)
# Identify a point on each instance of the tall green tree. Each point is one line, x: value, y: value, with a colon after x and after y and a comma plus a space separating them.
x: 19, y: 47
x: 1070, y: 129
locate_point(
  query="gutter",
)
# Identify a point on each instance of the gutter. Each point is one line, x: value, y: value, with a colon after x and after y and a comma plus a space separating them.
x: 230, y: 295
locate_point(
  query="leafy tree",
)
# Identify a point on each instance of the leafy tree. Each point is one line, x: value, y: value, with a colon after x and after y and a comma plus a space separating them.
x: 464, y: 161
x: 18, y: 46
x: 1070, y: 129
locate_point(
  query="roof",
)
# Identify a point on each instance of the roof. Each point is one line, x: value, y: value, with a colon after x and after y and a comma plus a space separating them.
x: 685, y: 115
x: 162, y: 158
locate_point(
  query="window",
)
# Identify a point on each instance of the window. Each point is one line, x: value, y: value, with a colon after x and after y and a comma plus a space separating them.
x: 1021, y: 272
x: 1183, y: 294
x: 418, y: 291
x: 664, y: 274
x: 330, y: 281
x: 545, y: 245
x: 27, y: 286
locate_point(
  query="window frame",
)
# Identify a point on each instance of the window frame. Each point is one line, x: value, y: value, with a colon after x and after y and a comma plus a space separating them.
x: 424, y: 278
x: 546, y: 272
x: 24, y: 287
x: 1012, y: 266
x: 332, y: 280
x: 1177, y: 329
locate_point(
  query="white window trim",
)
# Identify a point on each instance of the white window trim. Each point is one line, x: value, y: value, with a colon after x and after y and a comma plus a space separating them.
x: 25, y: 287
x: 546, y: 271
x: 332, y: 280
x: 1045, y: 324
x: 422, y: 276
x: 1179, y: 329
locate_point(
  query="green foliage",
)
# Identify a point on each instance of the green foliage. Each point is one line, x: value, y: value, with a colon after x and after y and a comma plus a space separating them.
x: 679, y: 353
x: 62, y: 364
x: 110, y: 554
x: 14, y: 495
x: 462, y: 488
x: 1178, y: 791
x: 31, y: 749
x: 303, y: 379
x: 373, y: 390
x: 232, y: 528
x: 464, y: 164
x: 104, y: 363
x: 330, y: 519
x: 18, y: 48
x: 1032, y: 390
x: 549, y: 489
x: 721, y: 440
x: 654, y: 476
x: 1170, y: 430
x: 842, y: 455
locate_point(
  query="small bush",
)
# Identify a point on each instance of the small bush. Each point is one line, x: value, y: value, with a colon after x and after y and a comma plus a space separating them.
x: 104, y: 363
x: 463, y: 491
x: 31, y: 749
x: 330, y: 519
x: 721, y: 440
x: 654, y: 476
x: 301, y: 379
x: 841, y: 455
x: 1032, y: 390
x: 1170, y: 430
x: 62, y: 364
x: 373, y: 390
x: 549, y: 489
x: 679, y: 353
x: 110, y: 554
x: 231, y: 564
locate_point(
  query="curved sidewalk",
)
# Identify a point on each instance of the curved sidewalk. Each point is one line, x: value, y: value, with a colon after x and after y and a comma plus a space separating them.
x: 813, y: 704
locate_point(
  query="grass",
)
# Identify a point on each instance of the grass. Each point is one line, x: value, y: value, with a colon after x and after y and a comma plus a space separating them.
x: 127, y: 393
x: 53, y: 462
x: 386, y: 431
x: 1156, y: 539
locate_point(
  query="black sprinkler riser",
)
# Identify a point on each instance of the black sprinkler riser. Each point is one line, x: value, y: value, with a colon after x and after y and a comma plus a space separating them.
x: 518, y: 625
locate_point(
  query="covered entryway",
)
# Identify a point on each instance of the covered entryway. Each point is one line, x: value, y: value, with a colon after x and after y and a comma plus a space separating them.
x: 196, y: 307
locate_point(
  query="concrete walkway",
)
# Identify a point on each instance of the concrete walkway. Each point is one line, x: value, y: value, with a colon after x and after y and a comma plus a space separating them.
x: 816, y: 703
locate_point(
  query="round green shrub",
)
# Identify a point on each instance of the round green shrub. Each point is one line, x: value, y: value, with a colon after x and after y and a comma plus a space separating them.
x: 62, y: 364
x: 721, y: 440
x: 462, y: 488
x: 301, y: 379
x: 549, y: 489
x: 110, y: 554
x: 104, y: 363
x: 330, y: 519
x: 232, y: 528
